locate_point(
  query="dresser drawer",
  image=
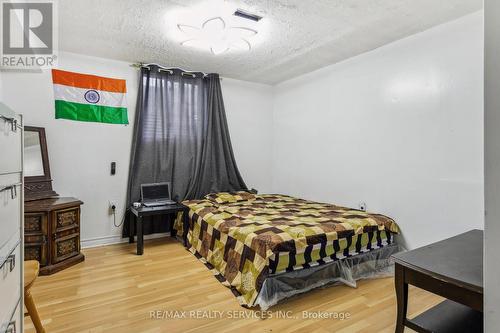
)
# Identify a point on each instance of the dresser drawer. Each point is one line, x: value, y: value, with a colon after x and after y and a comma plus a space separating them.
x: 35, y: 223
x: 35, y: 248
x: 66, y: 219
x: 10, y: 206
x: 66, y: 247
x: 10, y: 285
x: 10, y: 144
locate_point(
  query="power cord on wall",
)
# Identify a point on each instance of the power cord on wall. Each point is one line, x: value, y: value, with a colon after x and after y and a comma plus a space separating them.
x: 113, y: 208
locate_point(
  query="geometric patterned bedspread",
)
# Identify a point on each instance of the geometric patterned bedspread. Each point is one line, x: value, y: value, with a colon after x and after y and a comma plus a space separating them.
x: 243, y: 242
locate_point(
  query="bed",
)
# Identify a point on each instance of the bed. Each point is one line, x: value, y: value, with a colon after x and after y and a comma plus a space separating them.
x: 269, y: 247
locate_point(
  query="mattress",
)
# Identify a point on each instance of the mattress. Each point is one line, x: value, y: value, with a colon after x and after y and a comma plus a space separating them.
x: 243, y: 242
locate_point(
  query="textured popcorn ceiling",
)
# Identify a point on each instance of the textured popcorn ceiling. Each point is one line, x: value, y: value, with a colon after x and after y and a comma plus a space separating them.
x: 295, y: 36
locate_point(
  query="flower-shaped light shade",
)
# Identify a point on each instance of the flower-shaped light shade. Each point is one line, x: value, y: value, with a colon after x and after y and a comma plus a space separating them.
x: 216, y: 37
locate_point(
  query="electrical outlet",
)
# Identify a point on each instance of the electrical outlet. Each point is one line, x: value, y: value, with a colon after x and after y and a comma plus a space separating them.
x: 112, y: 203
x: 362, y: 206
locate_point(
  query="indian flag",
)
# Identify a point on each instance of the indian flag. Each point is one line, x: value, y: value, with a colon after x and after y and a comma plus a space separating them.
x: 89, y: 98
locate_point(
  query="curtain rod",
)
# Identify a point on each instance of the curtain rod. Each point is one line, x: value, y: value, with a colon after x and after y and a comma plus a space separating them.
x: 169, y: 70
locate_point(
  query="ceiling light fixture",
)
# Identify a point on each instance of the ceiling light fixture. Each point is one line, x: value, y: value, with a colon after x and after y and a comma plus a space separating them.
x: 215, y: 36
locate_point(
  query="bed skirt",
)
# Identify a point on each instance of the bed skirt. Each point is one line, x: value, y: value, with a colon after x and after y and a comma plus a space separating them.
x: 374, y: 264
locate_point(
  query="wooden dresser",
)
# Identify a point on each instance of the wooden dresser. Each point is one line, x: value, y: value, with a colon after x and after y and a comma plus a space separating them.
x: 11, y: 217
x: 52, y: 233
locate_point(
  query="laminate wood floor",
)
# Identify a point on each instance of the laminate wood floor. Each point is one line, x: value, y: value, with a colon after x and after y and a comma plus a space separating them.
x: 115, y: 290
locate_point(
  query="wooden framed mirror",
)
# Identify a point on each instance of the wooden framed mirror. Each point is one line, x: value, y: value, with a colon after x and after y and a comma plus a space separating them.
x: 37, y: 179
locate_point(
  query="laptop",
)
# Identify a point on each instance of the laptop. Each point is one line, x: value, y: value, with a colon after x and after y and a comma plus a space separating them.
x: 156, y: 194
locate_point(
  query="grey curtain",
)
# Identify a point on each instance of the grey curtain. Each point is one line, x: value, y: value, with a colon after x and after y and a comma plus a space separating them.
x: 180, y: 136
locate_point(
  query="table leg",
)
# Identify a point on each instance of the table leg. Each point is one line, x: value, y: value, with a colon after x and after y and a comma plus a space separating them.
x: 131, y: 228
x: 173, y: 232
x: 140, y: 236
x: 402, y: 297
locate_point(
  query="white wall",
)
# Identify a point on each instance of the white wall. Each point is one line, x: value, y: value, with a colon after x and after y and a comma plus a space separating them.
x: 80, y: 153
x: 400, y: 128
x: 249, y: 110
x: 492, y: 166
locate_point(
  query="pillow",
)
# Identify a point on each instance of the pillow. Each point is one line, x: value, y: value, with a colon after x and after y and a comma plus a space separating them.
x: 228, y: 197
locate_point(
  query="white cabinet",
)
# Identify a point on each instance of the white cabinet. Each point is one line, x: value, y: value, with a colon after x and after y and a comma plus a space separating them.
x: 10, y: 209
x: 10, y: 141
x: 11, y: 221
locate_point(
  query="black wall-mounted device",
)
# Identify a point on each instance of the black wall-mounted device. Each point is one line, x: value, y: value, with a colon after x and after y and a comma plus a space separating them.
x: 247, y: 15
x: 113, y: 168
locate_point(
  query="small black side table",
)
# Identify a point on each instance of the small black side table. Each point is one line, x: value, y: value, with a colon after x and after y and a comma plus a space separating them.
x: 451, y: 268
x: 139, y: 213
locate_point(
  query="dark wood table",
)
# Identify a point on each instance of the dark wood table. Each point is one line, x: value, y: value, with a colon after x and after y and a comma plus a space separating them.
x: 139, y: 213
x: 452, y: 268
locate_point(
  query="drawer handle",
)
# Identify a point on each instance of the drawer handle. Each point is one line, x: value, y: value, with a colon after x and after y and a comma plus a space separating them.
x: 11, y: 259
x: 13, y: 192
x: 12, y: 188
x: 12, y: 327
x: 12, y: 121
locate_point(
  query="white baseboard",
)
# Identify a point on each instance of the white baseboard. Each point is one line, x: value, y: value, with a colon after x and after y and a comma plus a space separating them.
x: 109, y: 240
